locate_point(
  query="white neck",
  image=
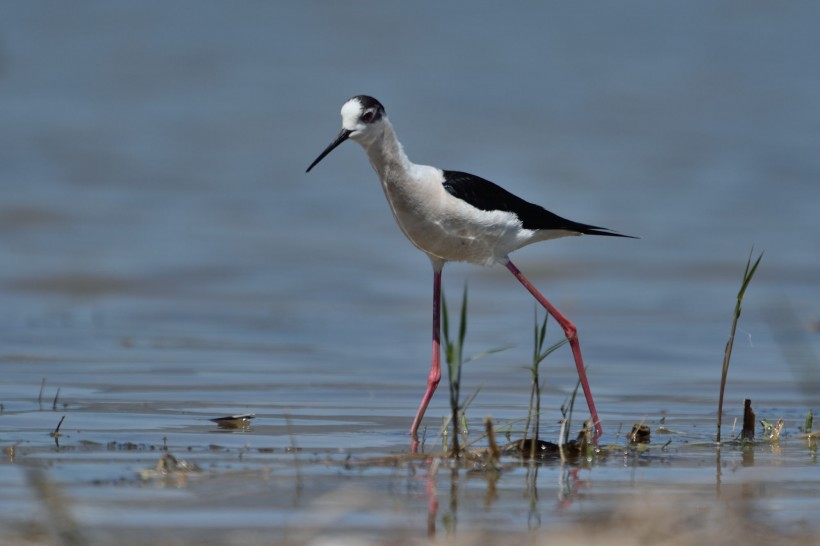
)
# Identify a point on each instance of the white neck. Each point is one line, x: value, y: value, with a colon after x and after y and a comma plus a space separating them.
x: 386, y: 153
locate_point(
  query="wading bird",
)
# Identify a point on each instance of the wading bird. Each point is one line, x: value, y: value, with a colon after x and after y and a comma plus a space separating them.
x: 453, y: 216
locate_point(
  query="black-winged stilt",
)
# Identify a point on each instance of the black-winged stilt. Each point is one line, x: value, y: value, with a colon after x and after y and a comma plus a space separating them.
x: 455, y: 216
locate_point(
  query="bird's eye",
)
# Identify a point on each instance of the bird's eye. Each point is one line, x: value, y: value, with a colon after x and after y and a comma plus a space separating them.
x: 367, y: 117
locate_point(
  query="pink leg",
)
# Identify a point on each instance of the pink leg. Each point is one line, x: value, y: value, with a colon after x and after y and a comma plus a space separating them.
x: 572, y: 336
x: 435, y: 369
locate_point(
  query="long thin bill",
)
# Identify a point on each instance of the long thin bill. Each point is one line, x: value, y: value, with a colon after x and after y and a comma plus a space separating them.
x: 339, y: 139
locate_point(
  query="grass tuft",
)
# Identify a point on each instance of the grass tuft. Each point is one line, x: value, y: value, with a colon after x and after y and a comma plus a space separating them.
x: 454, y: 355
x: 748, y: 273
x: 539, y: 354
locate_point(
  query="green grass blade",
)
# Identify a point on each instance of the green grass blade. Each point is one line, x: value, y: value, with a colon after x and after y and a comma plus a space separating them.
x: 748, y: 273
x: 462, y: 330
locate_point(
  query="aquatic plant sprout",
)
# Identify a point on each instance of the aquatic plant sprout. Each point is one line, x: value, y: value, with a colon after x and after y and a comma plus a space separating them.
x: 748, y: 273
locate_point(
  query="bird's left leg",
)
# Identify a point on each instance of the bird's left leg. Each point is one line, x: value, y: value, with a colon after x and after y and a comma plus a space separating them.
x: 572, y: 336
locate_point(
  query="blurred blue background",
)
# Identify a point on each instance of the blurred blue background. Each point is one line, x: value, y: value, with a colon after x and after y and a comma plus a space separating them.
x: 155, y: 210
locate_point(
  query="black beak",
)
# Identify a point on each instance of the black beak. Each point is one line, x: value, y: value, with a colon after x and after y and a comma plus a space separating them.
x: 339, y: 139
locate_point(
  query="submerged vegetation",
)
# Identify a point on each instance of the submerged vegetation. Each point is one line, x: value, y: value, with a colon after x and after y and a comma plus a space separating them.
x: 538, y: 356
x: 453, y: 355
x: 530, y: 445
x: 748, y: 273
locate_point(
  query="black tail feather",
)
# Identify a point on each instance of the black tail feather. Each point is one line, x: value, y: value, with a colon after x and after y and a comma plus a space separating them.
x: 595, y: 230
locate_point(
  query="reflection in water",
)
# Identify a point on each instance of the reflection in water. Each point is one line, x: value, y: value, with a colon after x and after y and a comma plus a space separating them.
x: 450, y: 518
x: 748, y: 456
x: 569, y: 484
x: 432, y: 497
x: 531, y: 478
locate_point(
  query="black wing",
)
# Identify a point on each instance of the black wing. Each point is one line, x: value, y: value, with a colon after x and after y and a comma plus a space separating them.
x: 485, y: 195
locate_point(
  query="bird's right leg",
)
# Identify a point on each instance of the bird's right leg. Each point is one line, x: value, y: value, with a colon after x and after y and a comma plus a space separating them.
x: 435, y: 368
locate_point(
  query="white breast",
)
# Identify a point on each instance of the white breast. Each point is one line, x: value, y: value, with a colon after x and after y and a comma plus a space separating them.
x: 446, y: 227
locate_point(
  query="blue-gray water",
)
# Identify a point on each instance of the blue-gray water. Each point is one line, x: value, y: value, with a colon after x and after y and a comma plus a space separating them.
x: 165, y: 258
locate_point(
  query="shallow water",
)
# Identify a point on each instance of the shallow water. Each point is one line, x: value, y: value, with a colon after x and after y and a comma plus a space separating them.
x: 167, y: 261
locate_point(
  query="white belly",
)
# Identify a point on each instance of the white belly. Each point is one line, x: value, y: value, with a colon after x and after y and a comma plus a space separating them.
x: 448, y: 228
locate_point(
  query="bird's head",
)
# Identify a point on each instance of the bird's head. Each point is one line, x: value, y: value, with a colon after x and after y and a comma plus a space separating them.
x: 362, y: 120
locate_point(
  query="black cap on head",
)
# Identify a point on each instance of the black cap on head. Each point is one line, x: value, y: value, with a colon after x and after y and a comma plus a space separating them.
x: 369, y: 102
